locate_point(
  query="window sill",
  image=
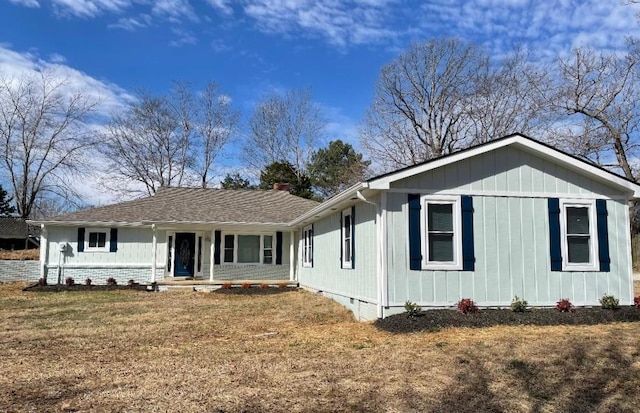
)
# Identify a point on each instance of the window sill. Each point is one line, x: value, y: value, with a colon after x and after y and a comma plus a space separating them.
x: 441, y: 267
x: 96, y: 250
x: 581, y: 268
x: 307, y: 265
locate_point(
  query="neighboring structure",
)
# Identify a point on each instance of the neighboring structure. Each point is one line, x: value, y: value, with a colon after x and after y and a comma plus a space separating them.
x: 509, y: 217
x: 16, y: 234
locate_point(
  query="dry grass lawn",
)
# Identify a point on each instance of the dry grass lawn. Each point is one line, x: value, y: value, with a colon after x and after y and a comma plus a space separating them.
x: 20, y: 255
x: 293, y: 351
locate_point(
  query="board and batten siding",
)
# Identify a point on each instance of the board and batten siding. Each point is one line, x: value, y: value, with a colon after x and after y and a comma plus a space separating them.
x: 510, y: 171
x: 327, y: 274
x: 510, y: 190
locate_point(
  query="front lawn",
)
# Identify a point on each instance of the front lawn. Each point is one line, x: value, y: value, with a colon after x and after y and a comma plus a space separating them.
x: 293, y: 351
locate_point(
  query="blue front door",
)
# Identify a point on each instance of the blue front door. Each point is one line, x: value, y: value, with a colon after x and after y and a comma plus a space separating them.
x: 184, y: 254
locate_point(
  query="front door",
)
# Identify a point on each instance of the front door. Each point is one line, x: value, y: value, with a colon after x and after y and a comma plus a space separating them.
x: 185, y: 253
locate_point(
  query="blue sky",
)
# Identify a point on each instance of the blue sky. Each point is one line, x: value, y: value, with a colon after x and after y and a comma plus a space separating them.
x: 251, y: 47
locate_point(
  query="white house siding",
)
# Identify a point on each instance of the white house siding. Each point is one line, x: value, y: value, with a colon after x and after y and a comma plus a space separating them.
x: 132, y: 260
x: 506, y: 171
x: 511, y: 236
x: 354, y: 288
x: 134, y: 257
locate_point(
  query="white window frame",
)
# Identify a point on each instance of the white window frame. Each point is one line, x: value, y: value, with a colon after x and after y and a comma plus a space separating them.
x: 346, y: 261
x: 307, y: 246
x: 107, y: 239
x: 456, y: 209
x: 235, y: 247
x: 594, y: 259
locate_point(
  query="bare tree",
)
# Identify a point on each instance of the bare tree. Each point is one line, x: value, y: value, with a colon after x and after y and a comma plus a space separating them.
x: 147, y: 144
x: 216, y: 122
x: 168, y: 140
x: 444, y: 95
x: 284, y: 128
x: 43, y: 135
x: 599, y: 92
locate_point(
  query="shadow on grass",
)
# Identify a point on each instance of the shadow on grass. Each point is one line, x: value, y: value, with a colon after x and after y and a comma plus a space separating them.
x: 433, y: 320
x: 581, y: 380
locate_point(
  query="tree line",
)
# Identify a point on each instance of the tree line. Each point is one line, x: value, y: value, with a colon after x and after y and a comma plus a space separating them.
x: 434, y: 98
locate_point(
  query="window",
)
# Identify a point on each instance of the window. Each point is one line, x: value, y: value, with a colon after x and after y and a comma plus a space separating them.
x: 307, y: 246
x: 248, y: 249
x: 578, y: 236
x: 347, y: 238
x: 441, y: 233
x: 97, y: 239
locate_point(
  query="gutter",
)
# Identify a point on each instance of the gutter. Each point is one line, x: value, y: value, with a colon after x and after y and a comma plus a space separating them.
x: 343, y: 196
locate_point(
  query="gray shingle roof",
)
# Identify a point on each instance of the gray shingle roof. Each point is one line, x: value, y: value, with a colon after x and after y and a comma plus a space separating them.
x: 199, y: 205
x: 14, y: 227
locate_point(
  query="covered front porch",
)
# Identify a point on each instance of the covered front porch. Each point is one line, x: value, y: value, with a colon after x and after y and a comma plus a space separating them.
x: 216, y: 255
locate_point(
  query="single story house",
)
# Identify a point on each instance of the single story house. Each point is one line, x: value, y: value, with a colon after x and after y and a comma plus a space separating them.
x: 509, y: 217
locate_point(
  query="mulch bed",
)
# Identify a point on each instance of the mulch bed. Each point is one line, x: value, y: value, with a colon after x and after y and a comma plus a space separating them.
x: 253, y: 290
x: 57, y: 288
x: 434, y: 320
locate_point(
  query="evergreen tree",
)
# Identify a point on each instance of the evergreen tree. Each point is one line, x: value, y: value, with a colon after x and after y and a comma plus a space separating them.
x: 6, y: 209
x: 235, y: 181
x: 284, y: 172
x: 335, y: 168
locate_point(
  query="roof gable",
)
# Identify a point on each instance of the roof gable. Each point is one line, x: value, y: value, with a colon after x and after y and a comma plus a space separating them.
x: 526, y: 144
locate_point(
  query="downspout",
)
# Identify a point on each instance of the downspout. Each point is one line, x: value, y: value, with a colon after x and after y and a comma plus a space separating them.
x: 379, y: 253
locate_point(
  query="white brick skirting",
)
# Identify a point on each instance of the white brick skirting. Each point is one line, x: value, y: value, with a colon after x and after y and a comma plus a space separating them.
x: 25, y: 271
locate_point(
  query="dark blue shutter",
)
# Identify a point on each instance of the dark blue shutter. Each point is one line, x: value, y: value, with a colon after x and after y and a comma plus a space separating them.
x: 554, y: 234
x: 603, y: 236
x: 311, y: 245
x: 353, y: 237
x: 279, y: 248
x: 341, y: 238
x: 415, y: 247
x: 468, y: 254
x: 80, y: 239
x: 113, y: 240
x: 217, y: 240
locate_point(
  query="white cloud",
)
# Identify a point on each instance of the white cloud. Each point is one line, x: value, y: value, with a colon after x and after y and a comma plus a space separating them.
x: 27, y: 3
x: 224, y: 6
x: 183, y: 37
x: 89, y: 8
x: 132, y: 23
x: 174, y: 10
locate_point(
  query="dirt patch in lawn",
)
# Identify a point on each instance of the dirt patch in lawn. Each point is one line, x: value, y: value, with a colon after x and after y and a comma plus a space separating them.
x: 434, y: 320
x: 111, y: 351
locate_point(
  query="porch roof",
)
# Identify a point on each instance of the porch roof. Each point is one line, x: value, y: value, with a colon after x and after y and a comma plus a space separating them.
x: 195, y: 205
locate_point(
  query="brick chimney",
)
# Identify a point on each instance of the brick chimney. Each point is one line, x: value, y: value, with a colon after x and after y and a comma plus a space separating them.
x: 281, y: 186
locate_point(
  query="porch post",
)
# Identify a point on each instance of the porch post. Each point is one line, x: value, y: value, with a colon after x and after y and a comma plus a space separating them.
x: 292, y: 258
x: 154, y: 247
x: 44, y: 248
x: 212, y: 252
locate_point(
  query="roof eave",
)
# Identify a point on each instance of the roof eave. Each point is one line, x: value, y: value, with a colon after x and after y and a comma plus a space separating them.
x: 343, y: 197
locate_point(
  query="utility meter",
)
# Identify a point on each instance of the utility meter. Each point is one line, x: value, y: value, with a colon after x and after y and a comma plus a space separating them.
x: 63, y: 247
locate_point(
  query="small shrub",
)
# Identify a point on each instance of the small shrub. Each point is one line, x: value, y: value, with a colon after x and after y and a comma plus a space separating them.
x: 111, y: 281
x: 609, y: 302
x: 467, y: 306
x: 69, y: 281
x: 131, y: 283
x: 88, y: 282
x: 518, y: 305
x: 412, y: 309
x: 636, y: 301
x: 264, y: 286
x: 564, y: 305
x: 42, y: 282
x: 226, y: 286
x: 246, y: 285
